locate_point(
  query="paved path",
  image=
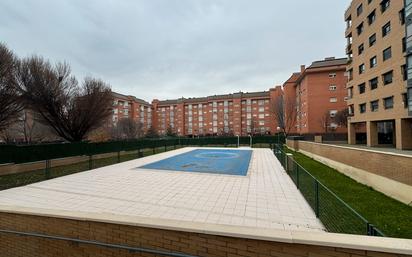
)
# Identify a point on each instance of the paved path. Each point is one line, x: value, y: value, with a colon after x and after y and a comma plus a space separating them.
x: 265, y: 198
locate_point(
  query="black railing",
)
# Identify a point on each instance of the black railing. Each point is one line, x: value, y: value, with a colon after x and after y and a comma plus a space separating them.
x: 130, y: 249
x: 336, y: 215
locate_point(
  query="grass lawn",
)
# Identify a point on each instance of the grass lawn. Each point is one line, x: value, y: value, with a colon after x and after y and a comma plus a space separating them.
x: 392, y: 217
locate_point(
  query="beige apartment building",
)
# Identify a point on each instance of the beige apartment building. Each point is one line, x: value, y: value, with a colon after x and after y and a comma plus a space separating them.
x: 377, y: 74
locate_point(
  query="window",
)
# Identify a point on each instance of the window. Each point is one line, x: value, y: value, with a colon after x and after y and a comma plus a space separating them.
x: 404, y: 73
x: 332, y: 75
x: 405, y: 100
x: 350, y: 92
x: 385, y: 5
x: 386, y: 29
x: 359, y: 28
x: 333, y: 100
x: 359, y: 10
x: 373, y: 62
x: 332, y: 88
x: 410, y: 99
x: 361, y: 88
x: 402, y: 16
x: 387, y: 77
x: 403, y: 44
x: 350, y: 73
x: 372, y: 17
x: 361, y: 48
x: 372, y: 40
x: 387, y: 53
x: 361, y: 68
x: 375, y: 106
x: 362, y: 108
x: 388, y: 102
x: 373, y: 83
x: 351, y: 110
x: 333, y: 113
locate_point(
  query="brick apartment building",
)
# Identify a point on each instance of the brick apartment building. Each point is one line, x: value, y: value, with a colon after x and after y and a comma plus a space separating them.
x: 377, y: 86
x: 237, y: 114
x: 126, y: 106
x: 317, y: 93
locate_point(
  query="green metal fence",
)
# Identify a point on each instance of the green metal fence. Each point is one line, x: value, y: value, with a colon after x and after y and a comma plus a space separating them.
x: 122, y: 151
x: 336, y: 215
x: 31, y: 153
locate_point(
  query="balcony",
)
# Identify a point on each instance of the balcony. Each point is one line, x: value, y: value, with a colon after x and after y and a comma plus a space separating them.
x: 349, y: 49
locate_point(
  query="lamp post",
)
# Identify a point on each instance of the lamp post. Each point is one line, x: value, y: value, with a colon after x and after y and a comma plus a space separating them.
x: 238, y: 141
x: 277, y: 136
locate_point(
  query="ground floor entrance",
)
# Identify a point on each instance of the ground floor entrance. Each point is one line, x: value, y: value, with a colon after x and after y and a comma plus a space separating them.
x: 388, y: 133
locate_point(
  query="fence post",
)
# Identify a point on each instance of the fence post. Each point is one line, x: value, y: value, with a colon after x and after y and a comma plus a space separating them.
x: 165, y: 147
x: 297, y: 177
x: 370, y: 229
x: 47, y: 170
x: 118, y: 156
x: 317, y: 198
x: 154, y: 150
x: 90, y: 162
x: 288, y: 162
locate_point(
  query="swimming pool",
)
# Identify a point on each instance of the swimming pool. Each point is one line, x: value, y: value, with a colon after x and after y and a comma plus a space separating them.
x: 217, y: 161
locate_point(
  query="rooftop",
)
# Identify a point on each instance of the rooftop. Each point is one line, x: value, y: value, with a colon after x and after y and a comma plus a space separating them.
x: 327, y: 62
x: 216, y: 97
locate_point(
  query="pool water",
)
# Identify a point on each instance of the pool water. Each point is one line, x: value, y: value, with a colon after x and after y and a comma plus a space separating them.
x: 217, y: 161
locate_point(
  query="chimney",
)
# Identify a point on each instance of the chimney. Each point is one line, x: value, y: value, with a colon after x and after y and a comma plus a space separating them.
x: 302, y: 68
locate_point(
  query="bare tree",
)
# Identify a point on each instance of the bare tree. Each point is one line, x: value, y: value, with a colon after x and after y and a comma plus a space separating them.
x: 342, y: 117
x: 152, y: 133
x: 127, y: 128
x: 284, y: 111
x: 325, y: 121
x: 10, y: 104
x: 27, y: 129
x: 170, y: 132
x: 72, y: 111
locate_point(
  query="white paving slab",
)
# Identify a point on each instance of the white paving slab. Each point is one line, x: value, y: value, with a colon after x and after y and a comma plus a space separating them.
x: 265, y: 198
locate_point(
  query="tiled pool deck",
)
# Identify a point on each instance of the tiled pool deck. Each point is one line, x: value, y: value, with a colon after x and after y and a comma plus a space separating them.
x: 265, y: 198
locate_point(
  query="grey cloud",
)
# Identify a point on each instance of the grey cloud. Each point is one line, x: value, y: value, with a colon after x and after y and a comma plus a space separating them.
x: 173, y: 48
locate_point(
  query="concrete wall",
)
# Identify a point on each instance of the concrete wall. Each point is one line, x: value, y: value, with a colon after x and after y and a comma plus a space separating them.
x: 189, y: 242
x: 388, y: 173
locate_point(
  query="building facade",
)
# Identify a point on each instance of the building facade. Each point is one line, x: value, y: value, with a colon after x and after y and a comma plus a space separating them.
x: 231, y: 114
x: 377, y: 82
x: 317, y: 96
x: 126, y: 106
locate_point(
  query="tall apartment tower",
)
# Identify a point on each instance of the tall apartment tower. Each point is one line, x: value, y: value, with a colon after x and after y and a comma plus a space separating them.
x: 408, y: 18
x: 377, y: 74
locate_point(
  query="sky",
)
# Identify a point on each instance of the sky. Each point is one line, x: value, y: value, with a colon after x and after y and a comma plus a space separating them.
x: 165, y: 49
